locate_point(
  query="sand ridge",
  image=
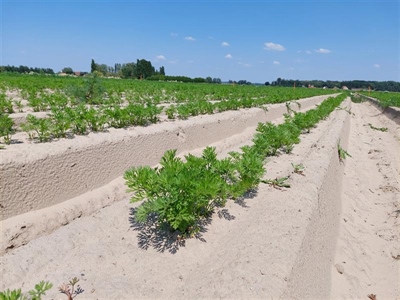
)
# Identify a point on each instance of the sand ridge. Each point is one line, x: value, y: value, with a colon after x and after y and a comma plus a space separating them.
x: 274, y: 244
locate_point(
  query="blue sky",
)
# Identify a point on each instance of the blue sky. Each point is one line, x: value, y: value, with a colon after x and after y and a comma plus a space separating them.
x: 253, y: 40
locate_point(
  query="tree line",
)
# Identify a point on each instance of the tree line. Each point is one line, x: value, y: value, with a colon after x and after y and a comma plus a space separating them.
x: 391, y: 86
x: 143, y: 69
x: 25, y: 69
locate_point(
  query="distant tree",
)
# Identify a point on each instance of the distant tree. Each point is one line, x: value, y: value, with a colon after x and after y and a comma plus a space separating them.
x: 162, y: 70
x: 199, y: 80
x: 67, y: 70
x: 267, y: 83
x: 103, y: 68
x: 244, y: 82
x: 117, y: 68
x: 208, y: 79
x: 216, y: 80
x: 93, y: 66
x: 128, y: 70
x: 144, y: 69
x: 23, y: 69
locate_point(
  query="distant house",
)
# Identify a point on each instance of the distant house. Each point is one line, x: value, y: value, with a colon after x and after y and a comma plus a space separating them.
x: 77, y: 73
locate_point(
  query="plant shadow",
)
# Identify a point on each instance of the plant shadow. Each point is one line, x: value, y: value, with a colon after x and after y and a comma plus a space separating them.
x: 161, y: 238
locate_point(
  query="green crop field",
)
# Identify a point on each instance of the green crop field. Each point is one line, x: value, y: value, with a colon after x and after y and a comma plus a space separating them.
x: 79, y: 105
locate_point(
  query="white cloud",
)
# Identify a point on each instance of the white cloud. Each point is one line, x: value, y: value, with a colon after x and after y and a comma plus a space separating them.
x: 245, y: 65
x: 225, y: 44
x: 189, y: 38
x: 228, y: 56
x: 276, y: 62
x: 323, y: 51
x: 274, y: 47
x: 377, y: 66
x: 174, y: 34
x: 160, y: 57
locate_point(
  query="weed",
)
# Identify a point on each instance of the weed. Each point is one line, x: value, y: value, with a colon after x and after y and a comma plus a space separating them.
x: 383, y: 129
x: 91, y: 90
x: 298, y: 169
x: 342, y: 153
x: 277, y: 183
x: 70, y: 290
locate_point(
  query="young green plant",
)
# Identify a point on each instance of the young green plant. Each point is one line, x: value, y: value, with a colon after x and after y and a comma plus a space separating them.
x: 277, y: 183
x: 342, y: 153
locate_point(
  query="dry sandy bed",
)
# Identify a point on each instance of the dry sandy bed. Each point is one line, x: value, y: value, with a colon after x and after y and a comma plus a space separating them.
x: 368, y: 250
x: 274, y: 244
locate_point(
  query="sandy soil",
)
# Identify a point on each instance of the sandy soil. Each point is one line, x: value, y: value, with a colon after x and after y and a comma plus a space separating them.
x: 333, y: 234
x: 367, y: 259
x: 47, y: 185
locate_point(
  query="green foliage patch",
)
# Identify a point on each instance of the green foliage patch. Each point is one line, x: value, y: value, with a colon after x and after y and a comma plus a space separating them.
x: 181, y: 192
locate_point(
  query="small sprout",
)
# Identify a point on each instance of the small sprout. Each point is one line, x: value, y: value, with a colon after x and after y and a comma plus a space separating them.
x: 342, y: 153
x: 19, y: 105
x: 69, y: 288
x: 298, y: 169
x: 277, y: 183
x: 383, y: 129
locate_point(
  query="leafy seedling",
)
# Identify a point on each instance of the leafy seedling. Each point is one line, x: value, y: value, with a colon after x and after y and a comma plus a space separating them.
x: 298, y: 169
x: 40, y: 290
x: 342, y: 153
x: 35, y: 294
x: 277, y: 183
x: 70, y: 290
x: 383, y: 129
x: 19, y: 105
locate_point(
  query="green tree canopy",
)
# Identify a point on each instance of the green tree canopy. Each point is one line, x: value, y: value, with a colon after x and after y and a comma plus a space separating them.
x: 67, y: 70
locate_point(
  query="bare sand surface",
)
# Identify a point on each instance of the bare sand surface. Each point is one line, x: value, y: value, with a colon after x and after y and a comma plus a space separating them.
x: 287, y: 244
x: 367, y: 259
